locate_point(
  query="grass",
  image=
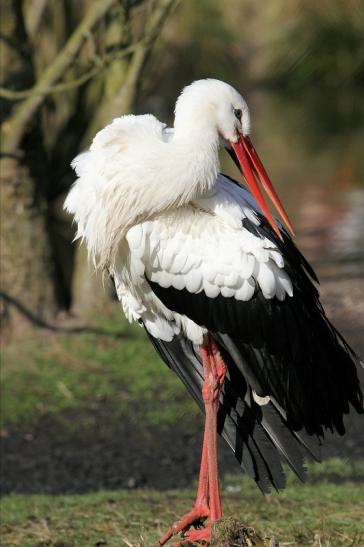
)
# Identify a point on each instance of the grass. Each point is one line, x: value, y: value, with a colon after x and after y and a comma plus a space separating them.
x: 88, y: 464
x: 66, y: 372
x: 313, y: 514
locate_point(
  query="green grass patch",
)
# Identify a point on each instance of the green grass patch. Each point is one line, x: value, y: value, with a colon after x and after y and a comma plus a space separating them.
x: 51, y: 373
x: 321, y: 514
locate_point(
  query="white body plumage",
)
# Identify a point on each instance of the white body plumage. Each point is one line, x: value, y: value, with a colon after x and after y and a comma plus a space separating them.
x: 151, y: 205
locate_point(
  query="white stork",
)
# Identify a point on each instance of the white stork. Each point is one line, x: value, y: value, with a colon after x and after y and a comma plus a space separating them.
x: 224, y: 295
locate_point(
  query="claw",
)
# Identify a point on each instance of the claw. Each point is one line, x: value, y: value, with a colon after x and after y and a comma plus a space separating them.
x: 196, y: 518
x: 203, y: 535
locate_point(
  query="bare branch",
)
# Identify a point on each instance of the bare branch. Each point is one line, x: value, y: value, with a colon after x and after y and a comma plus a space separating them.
x: 14, y: 95
x: 160, y: 10
x: 15, y: 127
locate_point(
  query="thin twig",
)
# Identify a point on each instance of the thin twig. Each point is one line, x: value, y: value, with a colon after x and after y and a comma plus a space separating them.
x: 15, y: 95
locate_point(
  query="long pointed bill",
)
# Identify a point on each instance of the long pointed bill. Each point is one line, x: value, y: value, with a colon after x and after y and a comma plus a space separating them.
x: 253, y: 169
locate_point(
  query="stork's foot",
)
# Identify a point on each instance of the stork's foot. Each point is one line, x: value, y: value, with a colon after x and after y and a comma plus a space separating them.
x: 202, y: 535
x: 195, y: 518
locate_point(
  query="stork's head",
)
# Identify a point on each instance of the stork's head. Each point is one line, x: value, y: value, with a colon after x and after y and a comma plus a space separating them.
x: 213, y: 108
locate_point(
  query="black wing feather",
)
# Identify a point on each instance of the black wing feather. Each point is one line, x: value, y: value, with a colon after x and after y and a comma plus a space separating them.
x: 288, y: 350
x: 257, y: 435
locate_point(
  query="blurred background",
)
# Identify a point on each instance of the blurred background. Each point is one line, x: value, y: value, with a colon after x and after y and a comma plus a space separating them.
x: 77, y: 379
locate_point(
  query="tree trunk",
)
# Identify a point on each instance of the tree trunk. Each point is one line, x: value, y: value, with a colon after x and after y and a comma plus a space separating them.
x: 119, y: 92
x: 98, y: 39
x: 90, y: 290
x: 25, y: 253
x: 28, y: 281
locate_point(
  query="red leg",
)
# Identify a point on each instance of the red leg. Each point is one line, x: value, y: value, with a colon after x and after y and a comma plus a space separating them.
x: 200, y: 510
x: 214, y: 375
x: 203, y: 480
x: 208, y: 503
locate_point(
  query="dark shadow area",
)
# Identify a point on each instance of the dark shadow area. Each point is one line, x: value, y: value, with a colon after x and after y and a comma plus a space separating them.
x: 97, y: 448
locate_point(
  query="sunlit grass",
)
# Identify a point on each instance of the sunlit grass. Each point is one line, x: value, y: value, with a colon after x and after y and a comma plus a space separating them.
x: 313, y: 514
x: 49, y: 374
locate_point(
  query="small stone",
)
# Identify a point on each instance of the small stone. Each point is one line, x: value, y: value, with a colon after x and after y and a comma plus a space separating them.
x: 233, y: 488
x: 131, y: 482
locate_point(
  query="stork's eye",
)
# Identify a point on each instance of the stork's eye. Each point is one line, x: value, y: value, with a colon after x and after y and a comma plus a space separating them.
x: 238, y: 113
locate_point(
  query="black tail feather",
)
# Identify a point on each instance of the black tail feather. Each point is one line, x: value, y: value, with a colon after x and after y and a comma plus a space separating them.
x: 268, y: 418
x: 311, y: 443
x: 284, y: 440
x: 258, y: 435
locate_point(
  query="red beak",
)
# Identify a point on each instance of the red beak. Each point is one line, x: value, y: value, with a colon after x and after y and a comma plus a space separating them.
x: 253, y: 171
